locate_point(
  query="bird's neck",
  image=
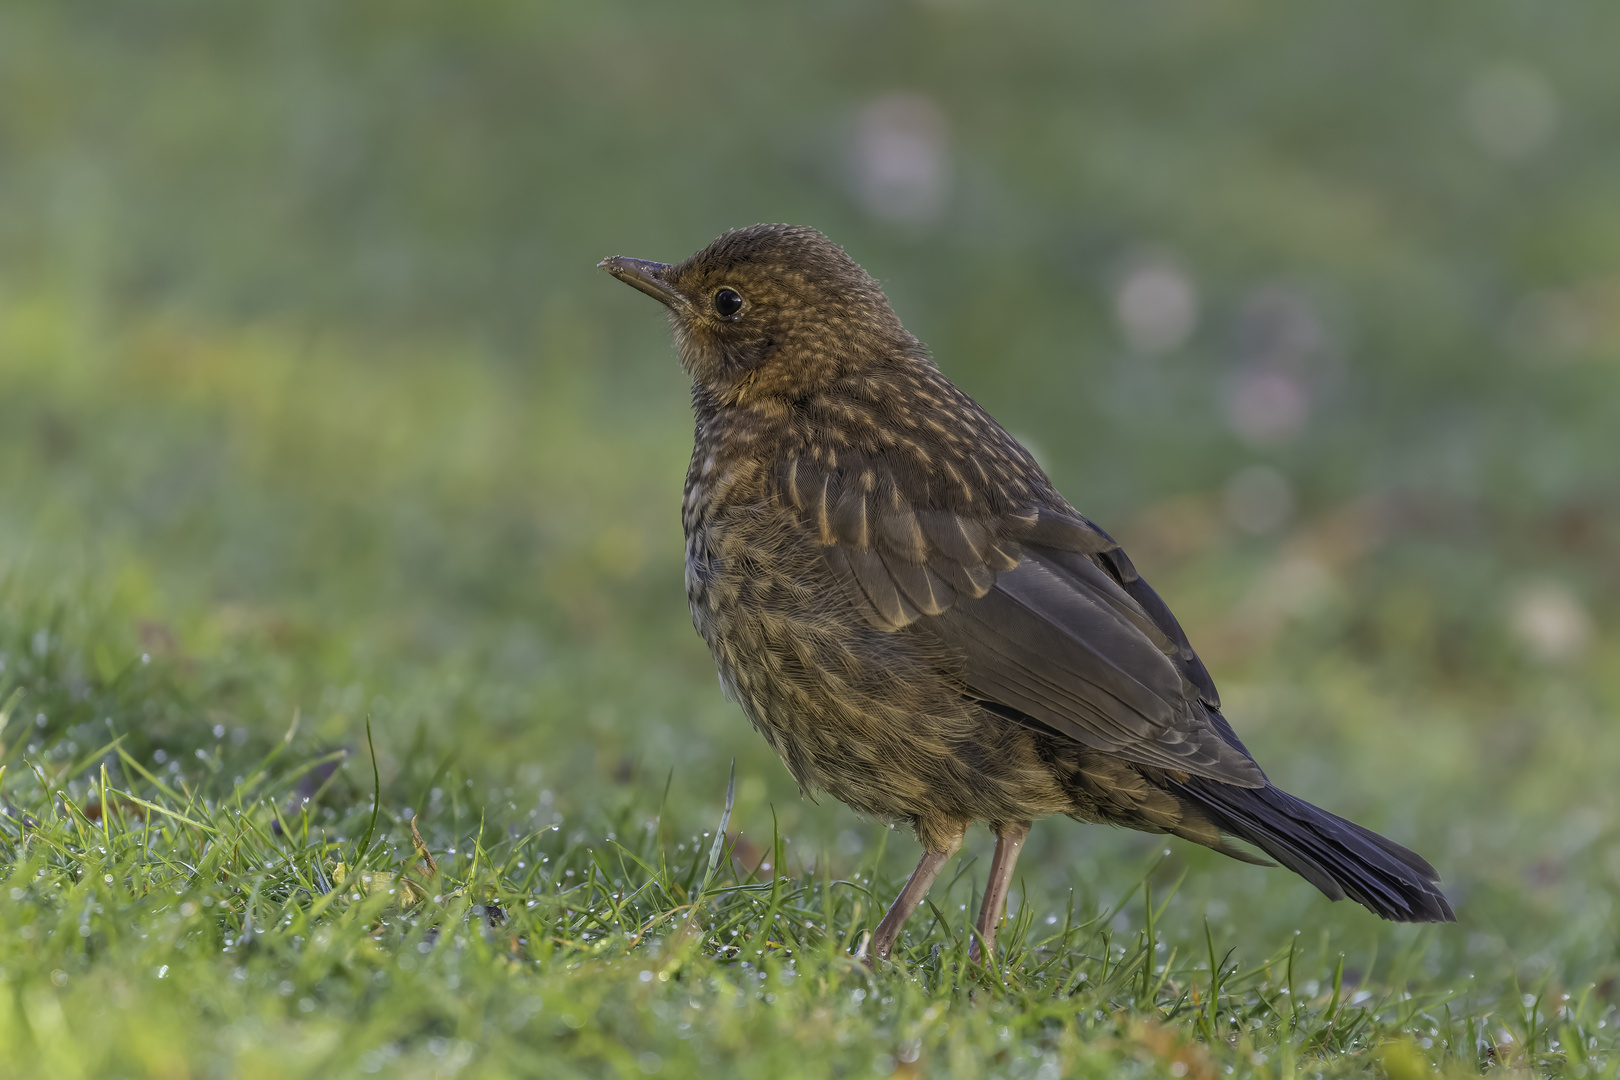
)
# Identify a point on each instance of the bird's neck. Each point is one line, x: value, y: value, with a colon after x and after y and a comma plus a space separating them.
x: 735, y: 449
x: 728, y: 431
x: 875, y: 407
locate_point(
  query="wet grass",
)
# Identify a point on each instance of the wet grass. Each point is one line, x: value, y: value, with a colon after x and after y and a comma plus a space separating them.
x: 248, y: 906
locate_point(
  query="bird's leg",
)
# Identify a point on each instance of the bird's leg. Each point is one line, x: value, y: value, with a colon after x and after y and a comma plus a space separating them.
x: 1009, y: 842
x: 928, y: 868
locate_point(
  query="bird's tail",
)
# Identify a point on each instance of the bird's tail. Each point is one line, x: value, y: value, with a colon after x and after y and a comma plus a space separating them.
x: 1337, y: 856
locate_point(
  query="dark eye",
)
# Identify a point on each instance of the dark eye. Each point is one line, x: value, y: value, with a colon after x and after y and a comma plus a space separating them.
x: 727, y: 302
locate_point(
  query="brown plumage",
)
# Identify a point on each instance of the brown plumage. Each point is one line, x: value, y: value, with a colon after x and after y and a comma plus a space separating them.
x: 918, y: 622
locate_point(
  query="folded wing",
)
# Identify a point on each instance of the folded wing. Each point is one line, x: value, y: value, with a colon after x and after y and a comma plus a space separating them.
x: 1047, y: 615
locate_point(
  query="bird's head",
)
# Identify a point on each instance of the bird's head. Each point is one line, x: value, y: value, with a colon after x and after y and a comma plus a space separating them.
x: 771, y: 312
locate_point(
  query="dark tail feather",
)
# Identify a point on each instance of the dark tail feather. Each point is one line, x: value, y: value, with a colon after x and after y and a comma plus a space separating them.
x: 1337, y: 856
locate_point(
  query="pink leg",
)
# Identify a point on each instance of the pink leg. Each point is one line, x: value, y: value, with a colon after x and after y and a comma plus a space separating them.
x: 888, y: 931
x: 1009, y: 842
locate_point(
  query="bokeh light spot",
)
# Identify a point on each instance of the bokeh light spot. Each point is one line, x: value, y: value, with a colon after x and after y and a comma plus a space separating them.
x: 899, y: 161
x: 1511, y: 110
x: 1550, y: 622
x: 1156, y: 305
x: 1264, y: 407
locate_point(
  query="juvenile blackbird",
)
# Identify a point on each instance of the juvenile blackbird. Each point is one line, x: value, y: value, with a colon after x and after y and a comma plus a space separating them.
x: 918, y: 622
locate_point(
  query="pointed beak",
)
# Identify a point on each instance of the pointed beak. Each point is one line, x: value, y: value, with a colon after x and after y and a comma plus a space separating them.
x: 643, y: 275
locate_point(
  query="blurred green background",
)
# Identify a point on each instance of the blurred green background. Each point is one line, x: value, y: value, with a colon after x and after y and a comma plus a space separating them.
x: 310, y: 391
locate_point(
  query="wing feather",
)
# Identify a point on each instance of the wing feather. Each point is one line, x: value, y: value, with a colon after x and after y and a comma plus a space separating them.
x: 926, y: 590
x: 1048, y: 616
x: 1045, y: 645
x: 892, y: 609
x: 848, y: 519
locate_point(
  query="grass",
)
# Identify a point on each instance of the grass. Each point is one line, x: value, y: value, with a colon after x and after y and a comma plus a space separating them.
x: 191, y: 892
x: 263, y: 914
x: 246, y: 912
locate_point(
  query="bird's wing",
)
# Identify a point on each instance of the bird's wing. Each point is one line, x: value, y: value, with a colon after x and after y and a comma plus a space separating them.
x: 1050, y: 618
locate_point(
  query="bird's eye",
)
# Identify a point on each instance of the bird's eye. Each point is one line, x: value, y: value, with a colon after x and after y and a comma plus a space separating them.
x: 727, y: 302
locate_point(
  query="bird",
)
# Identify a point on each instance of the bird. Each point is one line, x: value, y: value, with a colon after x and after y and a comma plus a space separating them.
x: 916, y: 620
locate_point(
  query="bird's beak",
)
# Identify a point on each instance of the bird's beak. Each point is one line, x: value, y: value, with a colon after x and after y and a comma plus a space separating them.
x: 643, y: 275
